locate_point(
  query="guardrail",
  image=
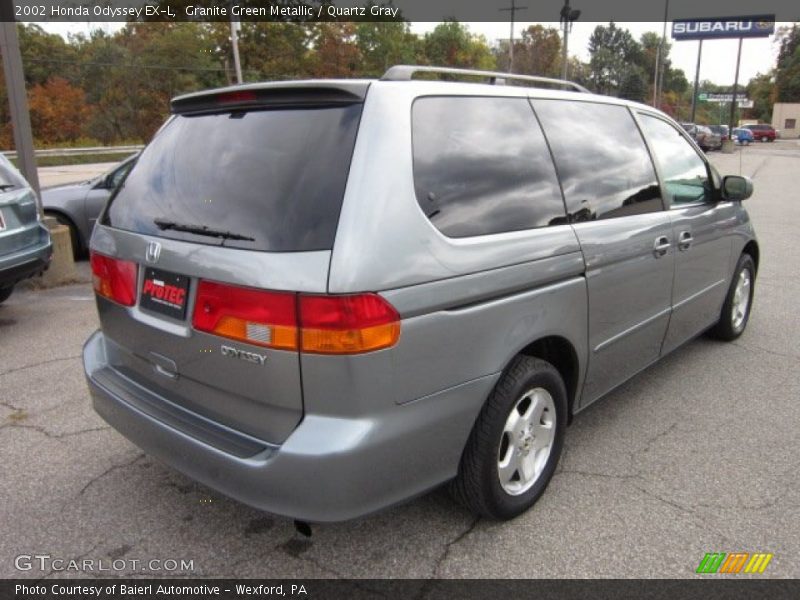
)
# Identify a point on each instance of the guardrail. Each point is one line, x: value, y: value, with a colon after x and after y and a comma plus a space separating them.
x: 80, y: 151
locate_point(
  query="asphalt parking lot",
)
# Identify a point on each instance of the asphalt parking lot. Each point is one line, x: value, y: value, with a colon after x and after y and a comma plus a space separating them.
x: 698, y: 454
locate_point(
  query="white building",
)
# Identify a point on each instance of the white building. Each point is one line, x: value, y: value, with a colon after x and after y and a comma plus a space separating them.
x: 786, y: 119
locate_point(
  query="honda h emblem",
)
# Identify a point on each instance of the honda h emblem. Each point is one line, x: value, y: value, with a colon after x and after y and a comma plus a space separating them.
x: 153, y: 252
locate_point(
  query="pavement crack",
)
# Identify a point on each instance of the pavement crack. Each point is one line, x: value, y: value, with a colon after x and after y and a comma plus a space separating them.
x: 445, y: 555
x: 49, y: 434
x: 596, y: 474
x: 109, y: 470
x: 652, y: 440
x: 39, y: 364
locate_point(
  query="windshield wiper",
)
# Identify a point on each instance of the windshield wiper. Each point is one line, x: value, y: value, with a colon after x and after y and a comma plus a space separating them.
x: 6, y: 186
x: 201, y: 230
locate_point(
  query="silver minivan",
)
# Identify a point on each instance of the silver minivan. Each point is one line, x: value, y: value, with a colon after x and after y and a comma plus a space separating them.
x: 323, y: 298
x: 25, y: 245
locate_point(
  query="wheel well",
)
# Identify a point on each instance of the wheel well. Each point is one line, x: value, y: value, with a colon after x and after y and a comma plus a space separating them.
x: 559, y: 353
x: 751, y: 248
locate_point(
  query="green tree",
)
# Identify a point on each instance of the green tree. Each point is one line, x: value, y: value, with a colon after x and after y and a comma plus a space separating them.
x: 614, y: 54
x: 46, y: 55
x: 384, y: 44
x: 451, y: 44
x: 762, y: 91
x: 537, y: 53
x: 787, y: 72
x: 634, y: 85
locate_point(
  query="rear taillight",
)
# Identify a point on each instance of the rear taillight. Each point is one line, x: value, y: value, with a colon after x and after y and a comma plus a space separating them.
x: 114, y: 279
x: 347, y: 324
x: 253, y: 316
x: 316, y: 324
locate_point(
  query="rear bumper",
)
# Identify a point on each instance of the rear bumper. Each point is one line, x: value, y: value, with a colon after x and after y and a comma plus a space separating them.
x: 27, y: 262
x: 328, y: 469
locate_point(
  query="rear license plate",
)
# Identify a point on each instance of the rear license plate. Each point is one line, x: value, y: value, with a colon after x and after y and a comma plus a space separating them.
x: 164, y: 292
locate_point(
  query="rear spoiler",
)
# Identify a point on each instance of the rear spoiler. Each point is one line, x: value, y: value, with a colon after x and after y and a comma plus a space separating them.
x: 272, y: 95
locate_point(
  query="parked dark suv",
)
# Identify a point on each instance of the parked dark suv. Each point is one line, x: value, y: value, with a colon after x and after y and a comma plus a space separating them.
x: 326, y: 297
x: 763, y: 132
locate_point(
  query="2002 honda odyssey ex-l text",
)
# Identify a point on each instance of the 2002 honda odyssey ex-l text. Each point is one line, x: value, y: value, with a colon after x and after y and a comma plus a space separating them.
x: 325, y: 297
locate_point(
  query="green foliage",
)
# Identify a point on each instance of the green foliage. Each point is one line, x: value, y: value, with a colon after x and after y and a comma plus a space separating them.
x: 787, y: 72
x: 451, y: 44
x: 622, y: 66
x: 634, y: 85
x: 762, y: 91
x: 537, y: 53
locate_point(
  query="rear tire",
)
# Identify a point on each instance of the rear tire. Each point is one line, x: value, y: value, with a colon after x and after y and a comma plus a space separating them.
x: 5, y: 293
x: 738, y: 303
x: 765, y: 139
x: 516, y: 442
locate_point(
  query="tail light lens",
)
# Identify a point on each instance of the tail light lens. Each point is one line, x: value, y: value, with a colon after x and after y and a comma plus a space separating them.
x: 254, y: 316
x: 287, y: 321
x: 347, y: 324
x: 114, y: 279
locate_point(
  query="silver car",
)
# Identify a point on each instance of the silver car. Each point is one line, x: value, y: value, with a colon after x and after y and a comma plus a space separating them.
x: 25, y: 246
x: 77, y: 205
x: 323, y: 298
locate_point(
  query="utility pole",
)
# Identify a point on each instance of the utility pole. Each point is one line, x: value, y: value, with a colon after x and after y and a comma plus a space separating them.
x: 513, y: 10
x: 235, y: 27
x: 18, y: 105
x: 658, y: 80
x: 568, y: 17
x: 696, y: 80
x: 731, y: 125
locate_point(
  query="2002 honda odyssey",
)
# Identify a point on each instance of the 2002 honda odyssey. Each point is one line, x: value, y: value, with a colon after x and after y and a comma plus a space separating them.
x: 325, y: 297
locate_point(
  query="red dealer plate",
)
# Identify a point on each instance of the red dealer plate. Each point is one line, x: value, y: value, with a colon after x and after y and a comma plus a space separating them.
x: 165, y: 293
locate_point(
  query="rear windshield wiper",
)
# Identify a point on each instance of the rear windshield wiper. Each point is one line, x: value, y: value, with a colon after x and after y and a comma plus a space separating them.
x: 6, y: 186
x: 200, y: 230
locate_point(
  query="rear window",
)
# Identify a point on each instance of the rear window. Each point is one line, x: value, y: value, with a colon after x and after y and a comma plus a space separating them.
x: 9, y: 178
x: 269, y: 180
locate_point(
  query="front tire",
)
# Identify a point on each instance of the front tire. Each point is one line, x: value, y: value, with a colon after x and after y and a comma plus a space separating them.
x: 516, y: 442
x: 738, y: 303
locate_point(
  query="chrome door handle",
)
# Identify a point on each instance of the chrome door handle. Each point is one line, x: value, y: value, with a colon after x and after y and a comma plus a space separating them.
x: 685, y: 240
x: 661, y: 246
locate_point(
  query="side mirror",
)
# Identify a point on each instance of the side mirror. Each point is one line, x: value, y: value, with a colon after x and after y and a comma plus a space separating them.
x: 735, y: 187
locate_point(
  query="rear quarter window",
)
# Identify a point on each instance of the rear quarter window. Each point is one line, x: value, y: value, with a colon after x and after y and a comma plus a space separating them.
x: 273, y: 178
x: 481, y: 166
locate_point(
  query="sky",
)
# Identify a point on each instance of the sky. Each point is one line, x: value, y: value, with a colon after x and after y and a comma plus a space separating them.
x: 718, y: 61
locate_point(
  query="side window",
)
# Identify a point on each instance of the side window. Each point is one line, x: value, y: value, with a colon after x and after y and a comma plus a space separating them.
x: 118, y: 175
x: 685, y: 174
x: 481, y: 166
x: 603, y: 163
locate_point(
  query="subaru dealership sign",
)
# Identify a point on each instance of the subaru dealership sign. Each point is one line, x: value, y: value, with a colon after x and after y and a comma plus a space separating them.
x: 729, y: 27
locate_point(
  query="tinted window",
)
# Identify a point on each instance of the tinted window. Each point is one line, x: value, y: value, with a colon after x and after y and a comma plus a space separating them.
x: 9, y: 178
x: 481, y: 166
x: 276, y: 177
x: 602, y: 161
x: 684, y: 173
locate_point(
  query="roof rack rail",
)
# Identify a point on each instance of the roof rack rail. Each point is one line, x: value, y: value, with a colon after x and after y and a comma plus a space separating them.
x: 406, y: 73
